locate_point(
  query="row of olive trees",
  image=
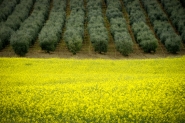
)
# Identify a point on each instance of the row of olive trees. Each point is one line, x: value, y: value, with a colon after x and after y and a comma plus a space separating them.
x: 122, y: 38
x: 23, y: 38
x: 74, y: 33
x: 50, y: 34
x: 13, y: 22
x: 6, y: 8
x: 143, y: 34
x: 162, y: 27
x: 176, y: 13
x: 96, y: 27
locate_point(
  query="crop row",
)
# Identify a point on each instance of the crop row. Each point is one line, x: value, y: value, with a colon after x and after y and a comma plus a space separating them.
x: 161, y: 25
x: 122, y: 38
x: 7, y: 7
x: 74, y: 33
x: 96, y: 28
x: 13, y: 22
x: 177, y: 15
x: 22, y: 39
x: 50, y: 34
x: 142, y: 32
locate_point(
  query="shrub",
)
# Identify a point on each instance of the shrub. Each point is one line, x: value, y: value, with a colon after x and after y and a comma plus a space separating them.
x: 144, y: 37
x: 113, y: 13
x: 176, y: 13
x: 13, y: 24
x: 97, y: 31
x: 149, y: 45
x: 173, y: 45
x: 154, y: 11
x: 51, y: 32
x: 183, y: 36
x: 20, y: 43
x: 1, y: 44
x: 75, y: 44
x: 100, y: 43
x: 123, y: 43
x: 73, y: 40
x: 28, y: 31
x: 135, y: 12
x: 7, y: 8
x: 113, y: 4
x: 74, y: 33
x: 167, y: 35
x: 5, y: 34
x: 118, y: 28
x: 48, y: 40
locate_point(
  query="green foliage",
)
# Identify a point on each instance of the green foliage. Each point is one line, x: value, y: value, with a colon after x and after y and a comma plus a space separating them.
x: 5, y: 34
x: 100, y: 43
x: 113, y: 4
x: 144, y: 37
x: 118, y: 28
x: 183, y: 36
x: 1, y: 44
x: 51, y: 32
x: 76, y: 4
x: 19, y: 14
x: 113, y: 13
x: 176, y: 13
x: 73, y: 40
x: 75, y: 44
x: 28, y: 31
x: 154, y: 11
x: 74, y: 33
x: 149, y: 45
x: 167, y: 35
x: 97, y: 31
x: 7, y: 7
x: 48, y: 40
x: 92, y: 4
x: 13, y: 24
x: 135, y: 12
x: 173, y: 44
x: 20, y: 42
x: 123, y: 43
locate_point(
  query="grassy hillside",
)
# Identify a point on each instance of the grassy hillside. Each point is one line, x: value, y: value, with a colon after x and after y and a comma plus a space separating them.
x: 70, y: 90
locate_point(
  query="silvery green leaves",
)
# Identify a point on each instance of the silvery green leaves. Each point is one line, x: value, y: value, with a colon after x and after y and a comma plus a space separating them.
x: 96, y: 28
x: 29, y: 29
x: 50, y: 34
x: 144, y: 37
x: 74, y: 33
x: 167, y: 36
x: 176, y: 12
x: 119, y: 31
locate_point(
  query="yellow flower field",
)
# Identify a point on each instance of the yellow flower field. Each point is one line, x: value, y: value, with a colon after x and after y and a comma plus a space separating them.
x: 85, y: 91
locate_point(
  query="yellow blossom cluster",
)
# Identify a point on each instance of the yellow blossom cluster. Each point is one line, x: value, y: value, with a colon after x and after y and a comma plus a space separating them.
x: 92, y: 91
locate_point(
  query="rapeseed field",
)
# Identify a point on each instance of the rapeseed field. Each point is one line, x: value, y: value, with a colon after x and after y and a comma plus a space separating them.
x: 92, y: 91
